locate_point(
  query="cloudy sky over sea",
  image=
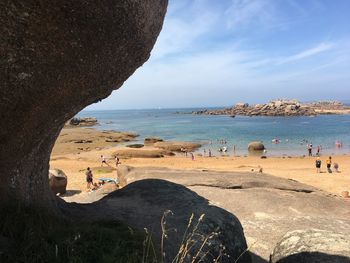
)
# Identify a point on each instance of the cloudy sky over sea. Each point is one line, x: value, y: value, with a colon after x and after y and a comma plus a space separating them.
x: 216, y: 53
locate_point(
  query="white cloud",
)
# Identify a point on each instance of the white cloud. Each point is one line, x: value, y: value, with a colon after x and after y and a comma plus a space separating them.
x: 320, y: 48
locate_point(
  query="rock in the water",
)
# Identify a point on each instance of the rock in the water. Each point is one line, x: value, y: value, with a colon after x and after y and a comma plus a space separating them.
x: 82, y: 122
x: 312, y: 246
x: 256, y: 146
x: 57, y: 181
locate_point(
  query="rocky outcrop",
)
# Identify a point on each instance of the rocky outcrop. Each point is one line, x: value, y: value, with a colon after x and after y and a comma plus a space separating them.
x: 256, y: 147
x: 142, y: 153
x: 59, y: 57
x: 312, y: 246
x: 152, y: 140
x: 77, y: 140
x: 81, y: 122
x: 57, y: 181
x: 279, y: 107
x: 174, y: 146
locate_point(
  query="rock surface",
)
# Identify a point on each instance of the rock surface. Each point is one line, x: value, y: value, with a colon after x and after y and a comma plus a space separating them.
x: 312, y: 246
x: 143, y: 203
x: 57, y: 181
x: 174, y: 146
x: 280, y: 107
x: 59, y: 57
x: 142, y: 153
x: 267, y: 206
x: 152, y: 140
x: 85, y: 139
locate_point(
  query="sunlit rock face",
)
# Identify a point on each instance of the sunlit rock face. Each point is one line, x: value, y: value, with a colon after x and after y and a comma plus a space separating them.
x: 57, y: 57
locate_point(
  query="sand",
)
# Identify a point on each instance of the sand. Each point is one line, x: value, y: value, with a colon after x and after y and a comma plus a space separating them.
x: 73, y: 162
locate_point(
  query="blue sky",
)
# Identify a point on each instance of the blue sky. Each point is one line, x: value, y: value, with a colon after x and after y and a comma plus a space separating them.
x: 219, y: 52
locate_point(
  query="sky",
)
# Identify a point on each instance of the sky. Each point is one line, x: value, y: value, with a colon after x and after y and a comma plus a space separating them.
x: 220, y: 52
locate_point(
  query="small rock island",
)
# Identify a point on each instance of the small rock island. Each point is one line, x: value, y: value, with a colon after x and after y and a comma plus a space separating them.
x: 281, y: 107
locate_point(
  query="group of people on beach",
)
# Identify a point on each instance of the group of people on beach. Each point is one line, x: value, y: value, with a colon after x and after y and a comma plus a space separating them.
x: 89, y: 175
x: 329, y: 163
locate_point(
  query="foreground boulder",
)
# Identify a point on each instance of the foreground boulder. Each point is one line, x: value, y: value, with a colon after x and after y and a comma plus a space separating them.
x: 166, y: 209
x: 276, y: 205
x: 57, y: 181
x: 256, y: 146
x: 312, y: 246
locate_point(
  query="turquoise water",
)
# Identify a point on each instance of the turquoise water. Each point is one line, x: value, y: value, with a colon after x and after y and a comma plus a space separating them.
x: 293, y: 132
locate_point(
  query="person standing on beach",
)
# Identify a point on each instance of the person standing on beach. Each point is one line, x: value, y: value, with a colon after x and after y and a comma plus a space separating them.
x: 192, y: 156
x: 318, y: 165
x: 309, y: 148
x: 329, y: 164
x: 103, y: 161
x: 209, y: 153
x: 89, y: 179
x: 117, y: 162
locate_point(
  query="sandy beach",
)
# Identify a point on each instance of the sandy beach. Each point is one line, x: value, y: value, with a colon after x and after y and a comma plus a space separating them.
x: 73, y: 161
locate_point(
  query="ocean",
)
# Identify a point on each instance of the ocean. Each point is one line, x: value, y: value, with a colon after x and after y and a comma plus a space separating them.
x: 293, y: 133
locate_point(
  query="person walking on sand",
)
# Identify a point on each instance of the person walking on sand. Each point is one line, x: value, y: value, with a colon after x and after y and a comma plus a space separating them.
x: 209, y: 153
x: 318, y: 165
x: 103, y: 160
x: 89, y: 179
x: 329, y: 164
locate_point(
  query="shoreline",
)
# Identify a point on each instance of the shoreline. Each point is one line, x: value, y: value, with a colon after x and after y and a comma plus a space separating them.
x: 302, y: 169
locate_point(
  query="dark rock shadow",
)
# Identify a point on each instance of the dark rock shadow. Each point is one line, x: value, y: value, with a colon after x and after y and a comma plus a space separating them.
x: 70, y: 193
x: 143, y: 203
x: 314, y: 257
x: 256, y: 258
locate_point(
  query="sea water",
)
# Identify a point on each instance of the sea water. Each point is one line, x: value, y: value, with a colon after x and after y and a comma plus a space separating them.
x: 293, y: 133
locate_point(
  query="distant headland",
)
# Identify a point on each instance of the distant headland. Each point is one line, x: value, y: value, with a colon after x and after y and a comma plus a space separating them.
x: 281, y: 107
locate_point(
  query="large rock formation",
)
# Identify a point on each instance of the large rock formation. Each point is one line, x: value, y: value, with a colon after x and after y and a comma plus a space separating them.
x: 267, y: 206
x: 58, y: 57
x: 142, y: 204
